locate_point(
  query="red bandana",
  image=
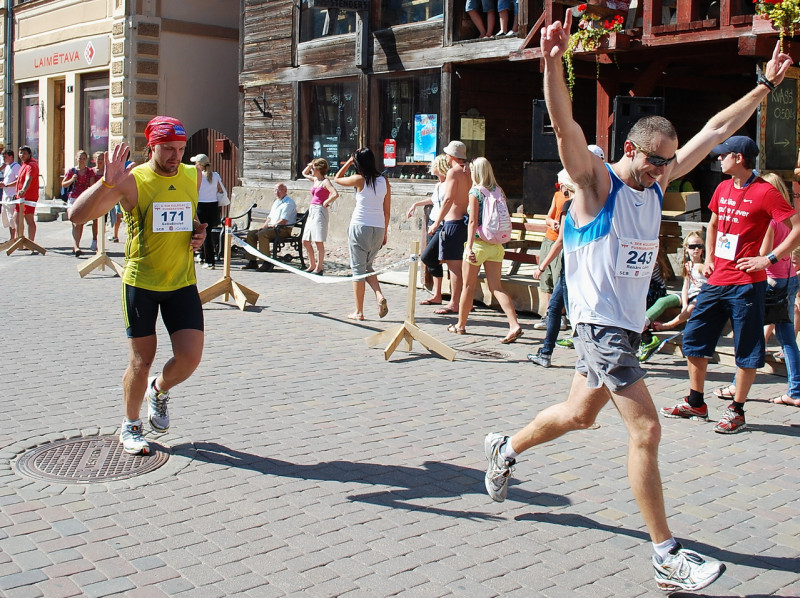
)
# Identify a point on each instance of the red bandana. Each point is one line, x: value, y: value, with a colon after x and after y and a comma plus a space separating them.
x: 163, y: 129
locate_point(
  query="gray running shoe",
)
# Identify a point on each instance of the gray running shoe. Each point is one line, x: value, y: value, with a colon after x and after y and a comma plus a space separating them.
x: 539, y: 359
x: 157, y: 413
x: 131, y: 438
x: 499, y: 469
x: 684, y: 569
x: 541, y: 324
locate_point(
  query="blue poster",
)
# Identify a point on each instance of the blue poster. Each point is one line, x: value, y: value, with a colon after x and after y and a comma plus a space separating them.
x: 424, y: 137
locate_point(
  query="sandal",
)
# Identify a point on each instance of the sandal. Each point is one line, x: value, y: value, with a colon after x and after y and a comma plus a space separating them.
x: 785, y: 400
x: 725, y: 392
x: 356, y: 316
x: 429, y: 302
x: 383, y: 308
x: 512, y: 337
x: 445, y: 311
x: 453, y: 329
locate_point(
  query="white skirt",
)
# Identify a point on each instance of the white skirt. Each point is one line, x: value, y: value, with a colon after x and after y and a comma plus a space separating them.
x: 316, y: 229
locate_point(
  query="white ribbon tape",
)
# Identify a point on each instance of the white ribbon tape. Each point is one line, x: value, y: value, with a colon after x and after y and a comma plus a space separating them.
x: 16, y: 202
x: 314, y: 277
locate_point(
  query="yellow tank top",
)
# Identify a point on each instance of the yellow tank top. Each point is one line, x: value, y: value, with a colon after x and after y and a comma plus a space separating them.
x: 157, y: 252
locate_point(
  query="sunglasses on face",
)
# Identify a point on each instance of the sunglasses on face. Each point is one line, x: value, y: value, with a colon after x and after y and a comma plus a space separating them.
x: 653, y: 159
x: 695, y: 246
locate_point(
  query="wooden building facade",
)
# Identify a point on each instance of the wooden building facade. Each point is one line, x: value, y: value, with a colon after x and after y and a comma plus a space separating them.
x: 323, y: 82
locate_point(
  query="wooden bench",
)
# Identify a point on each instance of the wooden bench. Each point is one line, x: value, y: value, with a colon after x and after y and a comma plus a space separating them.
x: 255, y: 217
x: 527, y: 232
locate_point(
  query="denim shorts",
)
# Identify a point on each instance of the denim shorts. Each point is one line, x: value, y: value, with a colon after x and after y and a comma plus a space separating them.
x: 510, y: 5
x: 743, y: 305
x: 607, y: 356
x: 485, y: 5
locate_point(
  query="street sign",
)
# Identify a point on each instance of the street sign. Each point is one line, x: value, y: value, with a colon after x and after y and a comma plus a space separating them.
x: 357, y: 5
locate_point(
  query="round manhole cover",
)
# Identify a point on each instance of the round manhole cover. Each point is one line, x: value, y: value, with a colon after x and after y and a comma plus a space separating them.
x: 491, y: 354
x: 85, y: 460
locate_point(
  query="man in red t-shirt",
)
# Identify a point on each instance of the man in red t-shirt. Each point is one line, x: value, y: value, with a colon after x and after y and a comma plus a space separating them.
x: 28, y: 188
x: 742, y: 208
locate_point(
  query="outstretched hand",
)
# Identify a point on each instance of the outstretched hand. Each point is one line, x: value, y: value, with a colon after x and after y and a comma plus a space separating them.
x: 555, y: 37
x: 115, y: 171
x: 778, y: 65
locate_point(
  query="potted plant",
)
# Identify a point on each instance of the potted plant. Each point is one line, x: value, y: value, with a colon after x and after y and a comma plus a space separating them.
x: 591, y: 34
x: 783, y: 14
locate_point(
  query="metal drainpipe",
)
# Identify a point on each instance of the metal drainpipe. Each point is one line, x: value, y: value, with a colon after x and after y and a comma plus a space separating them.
x: 9, y: 69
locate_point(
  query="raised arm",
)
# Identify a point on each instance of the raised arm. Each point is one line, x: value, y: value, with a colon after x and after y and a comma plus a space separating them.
x: 116, y: 185
x: 583, y: 167
x: 354, y: 180
x: 729, y: 120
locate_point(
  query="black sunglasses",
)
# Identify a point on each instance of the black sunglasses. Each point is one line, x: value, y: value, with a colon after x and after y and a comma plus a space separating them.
x: 652, y: 158
x: 695, y: 246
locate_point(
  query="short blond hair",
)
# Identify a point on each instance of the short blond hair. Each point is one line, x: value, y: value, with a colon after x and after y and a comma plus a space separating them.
x: 482, y: 173
x: 440, y: 165
x: 320, y: 164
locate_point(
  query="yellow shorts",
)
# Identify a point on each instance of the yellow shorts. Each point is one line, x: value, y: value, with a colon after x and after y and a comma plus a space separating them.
x: 485, y: 252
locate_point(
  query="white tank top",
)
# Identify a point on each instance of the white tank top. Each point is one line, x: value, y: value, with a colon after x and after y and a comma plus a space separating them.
x: 369, y: 205
x: 608, y: 262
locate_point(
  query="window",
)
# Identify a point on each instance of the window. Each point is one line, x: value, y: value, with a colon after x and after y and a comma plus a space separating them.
x: 321, y: 22
x: 94, y: 114
x: 409, y: 11
x: 29, y: 117
x: 409, y: 114
x: 332, y: 128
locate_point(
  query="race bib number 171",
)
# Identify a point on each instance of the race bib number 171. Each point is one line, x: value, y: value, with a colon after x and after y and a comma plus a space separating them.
x: 172, y: 217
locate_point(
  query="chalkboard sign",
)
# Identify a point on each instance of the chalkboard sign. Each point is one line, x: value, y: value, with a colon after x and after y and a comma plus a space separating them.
x: 780, y: 135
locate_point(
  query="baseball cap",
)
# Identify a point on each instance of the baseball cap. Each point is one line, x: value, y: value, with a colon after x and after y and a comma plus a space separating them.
x: 200, y: 159
x: 597, y: 151
x: 738, y: 144
x: 456, y: 149
x: 564, y: 179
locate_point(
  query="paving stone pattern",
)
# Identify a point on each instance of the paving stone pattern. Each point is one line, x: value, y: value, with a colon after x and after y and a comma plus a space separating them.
x: 305, y: 464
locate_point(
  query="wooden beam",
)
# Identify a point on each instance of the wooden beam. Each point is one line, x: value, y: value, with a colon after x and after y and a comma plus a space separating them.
x: 606, y: 90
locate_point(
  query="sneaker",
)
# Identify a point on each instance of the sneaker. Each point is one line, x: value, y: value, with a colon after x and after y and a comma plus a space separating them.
x: 685, y: 411
x: 647, y: 349
x: 131, y: 438
x: 208, y: 266
x: 499, y: 470
x: 539, y: 359
x: 732, y: 422
x: 110, y: 237
x: 684, y: 569
x: 541, y: 324
x: 93, y: 246
x: 197, y: 258
x: 564, y: 323
x: 157, y: 413
x: 566, y: 342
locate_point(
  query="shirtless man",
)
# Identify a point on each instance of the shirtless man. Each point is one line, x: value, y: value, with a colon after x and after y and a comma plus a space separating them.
x: 457, y: 184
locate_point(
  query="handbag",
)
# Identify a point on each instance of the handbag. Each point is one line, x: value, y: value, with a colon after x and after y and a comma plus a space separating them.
x: 776, y: 306
x: 223, y: 199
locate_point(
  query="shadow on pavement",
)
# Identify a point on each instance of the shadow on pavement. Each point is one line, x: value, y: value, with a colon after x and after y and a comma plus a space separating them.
x: 431, y: 481
x: 724, y: 555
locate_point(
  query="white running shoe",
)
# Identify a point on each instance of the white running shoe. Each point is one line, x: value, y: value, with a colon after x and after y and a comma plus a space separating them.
x: 131, y: 438
x: 499, y: 470
x: 157, y: 413
x: 541, y: 324
x: 684, y: 569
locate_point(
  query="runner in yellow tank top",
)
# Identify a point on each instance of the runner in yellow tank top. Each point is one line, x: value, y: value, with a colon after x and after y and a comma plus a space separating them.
x: 159, y: 200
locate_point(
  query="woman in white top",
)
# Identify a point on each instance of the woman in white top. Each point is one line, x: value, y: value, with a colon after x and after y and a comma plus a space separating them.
x: 430, y: 255
x: 368, y: 224
x: 208, y: 208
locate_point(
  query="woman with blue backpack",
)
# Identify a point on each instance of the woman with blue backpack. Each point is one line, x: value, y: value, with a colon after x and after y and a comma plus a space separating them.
x: 488, y: 228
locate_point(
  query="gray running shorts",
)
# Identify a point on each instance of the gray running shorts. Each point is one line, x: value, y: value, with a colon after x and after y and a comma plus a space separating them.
x: 607, y: 356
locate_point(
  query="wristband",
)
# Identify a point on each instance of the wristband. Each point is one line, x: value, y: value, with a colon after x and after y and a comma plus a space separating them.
x: 762, y: 80
x: 773, y: 259
x: 106, y: 185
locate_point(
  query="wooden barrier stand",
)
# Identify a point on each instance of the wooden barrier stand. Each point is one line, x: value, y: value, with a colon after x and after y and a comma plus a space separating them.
x: 21, y: 241
x: 101, y: 259
x: 226, y: 285
x: 408, y: 330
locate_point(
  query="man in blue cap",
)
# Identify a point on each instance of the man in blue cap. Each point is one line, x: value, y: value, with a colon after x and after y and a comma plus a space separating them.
x: 742, y: 208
